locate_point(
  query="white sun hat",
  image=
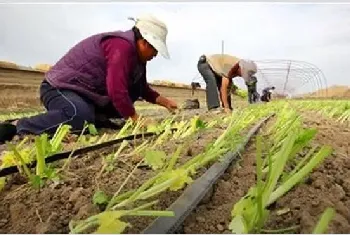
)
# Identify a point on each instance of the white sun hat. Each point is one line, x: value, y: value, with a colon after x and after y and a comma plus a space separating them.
x: 248, y: 69
x: 153, y: 31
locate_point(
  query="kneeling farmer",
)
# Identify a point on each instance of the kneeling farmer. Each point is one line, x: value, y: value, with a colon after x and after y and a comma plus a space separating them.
x: 217, y: 71
x: 99, y: 78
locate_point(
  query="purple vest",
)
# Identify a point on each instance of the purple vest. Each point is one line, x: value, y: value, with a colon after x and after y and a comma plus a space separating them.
x: 83, y: 68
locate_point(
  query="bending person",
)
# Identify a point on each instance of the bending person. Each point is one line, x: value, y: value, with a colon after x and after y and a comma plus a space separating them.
x: 217, y: 71
x: 266, y: 94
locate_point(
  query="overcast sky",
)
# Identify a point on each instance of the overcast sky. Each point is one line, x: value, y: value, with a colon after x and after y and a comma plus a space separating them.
x: 316, y: 33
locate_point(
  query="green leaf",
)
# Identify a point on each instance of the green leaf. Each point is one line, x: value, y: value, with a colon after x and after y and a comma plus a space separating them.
x: 2, y: 183
x: 238, y: 225
x: 322, y: 224
x: 110, y: 223
x: 200, y: 124
x: 111, y: 226
x: 57, y: 139
x: 324, y: 152
x: 155, y: 158
x: 153, y: 128
x: 92, y: 129
x: 50, y: 173
x: 181, y: 176
x: 41, y: 146
x: 100, y: 198
x: 36, y: 181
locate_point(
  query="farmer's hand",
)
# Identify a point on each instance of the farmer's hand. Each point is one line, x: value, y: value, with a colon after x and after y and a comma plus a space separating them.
x: 135, y: 118
x: 171, y: 106
x: 167, y: 103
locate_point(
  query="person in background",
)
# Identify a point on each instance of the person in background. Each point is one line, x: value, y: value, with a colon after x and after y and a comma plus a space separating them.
x: 218, y: 70
x: 253, y: 95
x: 99, y: 78
x: 266, y: 94
x: 194, y: 86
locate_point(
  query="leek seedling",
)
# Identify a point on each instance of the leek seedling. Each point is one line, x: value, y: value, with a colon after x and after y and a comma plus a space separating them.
x: 249, y: 213
x: 171, y: 164
x: 139, y: 149
x: 92, y: 129
x: 109, y: 221
x: 324, y: 221
x: 124, y: 130
x: 131, y: 196
x: 60, y: 134
x: 110, y: 159
x: 41, y: 145
x: 297, y: 177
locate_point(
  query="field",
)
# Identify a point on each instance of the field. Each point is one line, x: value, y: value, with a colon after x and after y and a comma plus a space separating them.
x: 291, y: 176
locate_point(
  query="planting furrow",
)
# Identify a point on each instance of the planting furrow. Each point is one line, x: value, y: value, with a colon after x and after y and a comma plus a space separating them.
x: 285, y: 155
x: 213, y: 215
x: 194, y: 167
x: 193, y: 194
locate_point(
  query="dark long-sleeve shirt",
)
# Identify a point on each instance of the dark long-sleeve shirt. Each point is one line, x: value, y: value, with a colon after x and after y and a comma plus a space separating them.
x: 120, y: 63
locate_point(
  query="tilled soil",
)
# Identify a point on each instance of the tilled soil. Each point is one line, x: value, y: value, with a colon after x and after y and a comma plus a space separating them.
x: 26, y: 210
x: 327, y: 186
x: 213, y: 216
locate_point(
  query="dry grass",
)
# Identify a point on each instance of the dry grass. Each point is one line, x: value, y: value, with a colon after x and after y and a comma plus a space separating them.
x: 331, y: 92
x: 19, y: 97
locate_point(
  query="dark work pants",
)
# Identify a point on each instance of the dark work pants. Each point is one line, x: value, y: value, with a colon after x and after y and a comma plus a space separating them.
x: 250, y: 96
x: 266, y: 97
x: 63, y: 107
x: 253, y: 95
x: 213, y: 83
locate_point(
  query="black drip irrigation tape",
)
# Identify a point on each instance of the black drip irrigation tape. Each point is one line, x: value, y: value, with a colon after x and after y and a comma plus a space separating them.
x: 80, y: 151
x: 195, y: 192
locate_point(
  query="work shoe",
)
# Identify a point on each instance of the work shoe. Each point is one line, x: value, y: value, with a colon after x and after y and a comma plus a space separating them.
x: 215, y: 111
x: 7, y: 132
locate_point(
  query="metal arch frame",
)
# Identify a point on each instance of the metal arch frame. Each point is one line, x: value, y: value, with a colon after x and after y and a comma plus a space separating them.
x: 270, y: 69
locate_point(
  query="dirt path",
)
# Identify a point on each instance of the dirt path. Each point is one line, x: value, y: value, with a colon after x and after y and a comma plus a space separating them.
x: 328, y: 185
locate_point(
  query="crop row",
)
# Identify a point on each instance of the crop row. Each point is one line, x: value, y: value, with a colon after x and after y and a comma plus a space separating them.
x: 285, y: 156
x: 338, y: 109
